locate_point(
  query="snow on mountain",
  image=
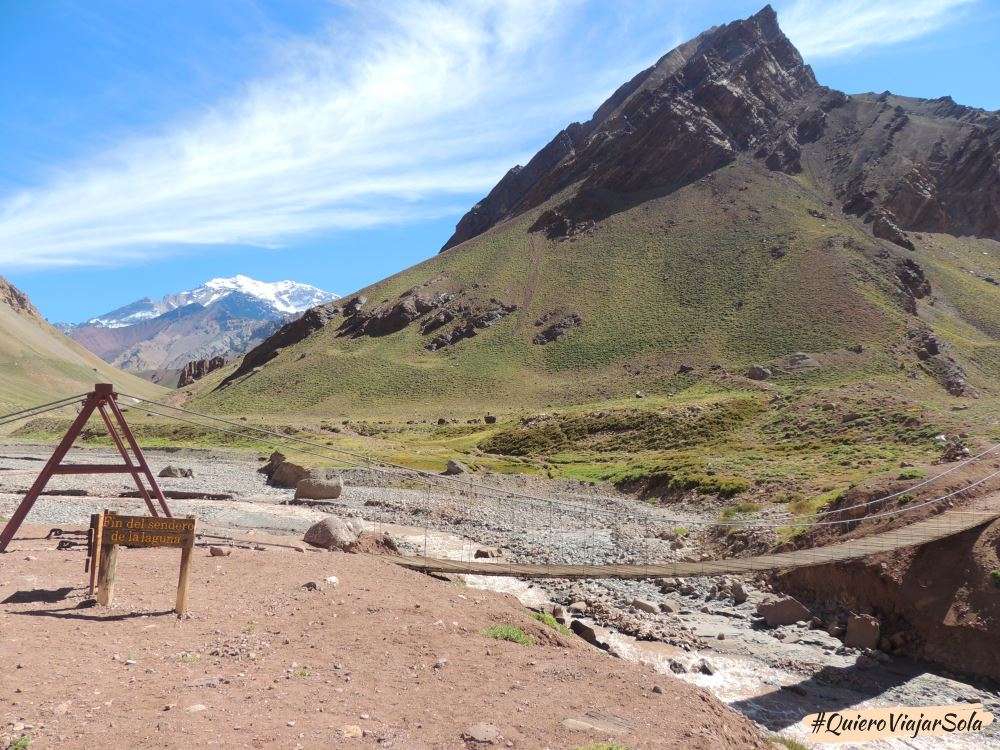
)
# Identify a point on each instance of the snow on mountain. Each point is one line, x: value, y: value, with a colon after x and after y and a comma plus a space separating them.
x: 281, y: 298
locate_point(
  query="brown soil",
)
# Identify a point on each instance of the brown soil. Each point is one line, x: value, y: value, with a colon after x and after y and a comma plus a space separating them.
x: 386, y: 658
x: 939, y: 600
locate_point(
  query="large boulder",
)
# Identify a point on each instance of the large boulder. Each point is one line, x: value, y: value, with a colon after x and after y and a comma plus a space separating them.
x: 176, y: 472
x: 862, y: 631
x: 334, y: 533
x: 455, y: 468
x: 319, y: 489
x: 758, y: 372
x: 782, y: 611
x: 287, y: 475
x: 273, y: 462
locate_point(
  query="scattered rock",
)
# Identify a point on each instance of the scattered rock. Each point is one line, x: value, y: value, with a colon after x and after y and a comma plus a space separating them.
x: 487, y: 553
x: 351, y: 731
x: 176, y: 472
x: 329, y: 488
x: 862, y: 631
x: 482, y: 732
x: 553, y: 331
x: 737, y: 592
x: 334, y: 533
x: 758, y: 372
x: 219, y: 551
x: 455, y: 468
x: 588, y: 634
x: 782, y: 611
x: 644, y: 605
x: 312, y: 586
x: 704, y: 667
x: 287, y: 474
x: 677, y: 667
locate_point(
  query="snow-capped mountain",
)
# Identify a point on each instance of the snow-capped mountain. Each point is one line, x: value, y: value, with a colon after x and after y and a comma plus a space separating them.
x: 282, y: 297
x: 221, y: 318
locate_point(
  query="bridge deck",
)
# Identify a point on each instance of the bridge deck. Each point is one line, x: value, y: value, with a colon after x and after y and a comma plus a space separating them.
x: 944, y: 525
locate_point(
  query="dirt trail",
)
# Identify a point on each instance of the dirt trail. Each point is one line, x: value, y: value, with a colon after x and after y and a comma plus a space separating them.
x: 385, y: 657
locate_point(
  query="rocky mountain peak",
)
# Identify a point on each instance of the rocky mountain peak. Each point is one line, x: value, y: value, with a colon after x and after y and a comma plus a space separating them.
x: 17, y: 300
x: 725, y: 91
x: 742, y: 90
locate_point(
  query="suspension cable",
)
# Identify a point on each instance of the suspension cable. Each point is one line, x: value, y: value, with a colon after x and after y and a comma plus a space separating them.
x: 487, y: 489
x: 37, y: 411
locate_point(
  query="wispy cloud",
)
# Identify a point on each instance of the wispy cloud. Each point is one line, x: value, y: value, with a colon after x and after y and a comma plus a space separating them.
x: 830, y: 28
x: 384, y: 118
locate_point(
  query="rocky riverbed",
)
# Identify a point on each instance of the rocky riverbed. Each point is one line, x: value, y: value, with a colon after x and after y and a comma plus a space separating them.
x: 703, y: 630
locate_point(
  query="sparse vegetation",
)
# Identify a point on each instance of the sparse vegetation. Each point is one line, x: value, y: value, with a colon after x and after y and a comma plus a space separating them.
x: 995, y: 577
x: 788, y: 742
x: 509, y: 633
x: 547, y: 619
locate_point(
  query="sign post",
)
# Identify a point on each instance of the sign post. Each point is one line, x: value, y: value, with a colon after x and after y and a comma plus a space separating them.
x: 113, y: 531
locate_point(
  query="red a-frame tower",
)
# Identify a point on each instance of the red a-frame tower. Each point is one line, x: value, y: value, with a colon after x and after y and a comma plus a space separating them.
x: 104, y: 401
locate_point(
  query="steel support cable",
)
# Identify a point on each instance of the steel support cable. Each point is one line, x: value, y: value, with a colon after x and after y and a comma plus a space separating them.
x: 278, y: 439
x: 34, y: 411
x: 546, y: 502
x: 373, y: 464
x: 38, y: 413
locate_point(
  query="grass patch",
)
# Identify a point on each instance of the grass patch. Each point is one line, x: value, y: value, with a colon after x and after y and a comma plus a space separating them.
x: 509, y: 633
x: 738, y: 509
x: 995, y: 577
x: 912, y: 474
x: 547, y: 619
x: 603, y: 746
x: 788, y: 742
x: 806, y: 508
x: 22, y: 743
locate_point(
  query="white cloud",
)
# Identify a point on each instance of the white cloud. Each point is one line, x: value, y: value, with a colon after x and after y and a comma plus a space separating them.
x: 383, y: 119
x: 830, y: 28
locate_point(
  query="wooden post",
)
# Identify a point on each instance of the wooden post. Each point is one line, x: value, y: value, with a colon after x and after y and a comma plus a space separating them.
x: 182, y: 580
x: 106, y: 575
x: 96, y: 542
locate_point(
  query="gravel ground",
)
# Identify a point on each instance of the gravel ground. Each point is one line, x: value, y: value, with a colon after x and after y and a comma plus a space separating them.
x: 773, y: 676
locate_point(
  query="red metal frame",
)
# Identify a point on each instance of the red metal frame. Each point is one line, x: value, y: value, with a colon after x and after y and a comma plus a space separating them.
x: 104, y: 401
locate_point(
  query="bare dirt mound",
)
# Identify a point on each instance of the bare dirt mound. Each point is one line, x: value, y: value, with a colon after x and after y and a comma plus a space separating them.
x: 378, y: 657
x: 939, y: 602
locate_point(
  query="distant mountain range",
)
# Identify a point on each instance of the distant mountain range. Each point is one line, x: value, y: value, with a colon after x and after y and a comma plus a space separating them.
x: 221, y: 318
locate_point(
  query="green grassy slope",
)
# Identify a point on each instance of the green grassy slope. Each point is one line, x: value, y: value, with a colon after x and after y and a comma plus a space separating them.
x: 39, y: 364
x: 743, y: 267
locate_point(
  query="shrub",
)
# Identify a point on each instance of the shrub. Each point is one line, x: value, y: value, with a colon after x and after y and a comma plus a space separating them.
x: 995, y: 577
x: 509, y: 633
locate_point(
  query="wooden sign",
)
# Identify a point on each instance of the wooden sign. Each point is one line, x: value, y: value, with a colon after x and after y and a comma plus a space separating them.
x: 109, y: 531
x: 147, y: 531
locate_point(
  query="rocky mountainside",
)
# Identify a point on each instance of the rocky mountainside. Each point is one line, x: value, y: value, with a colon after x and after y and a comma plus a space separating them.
x: 38, y: 363
x: 743, y: 89
x: 221, y: 318
x: 722, y: 218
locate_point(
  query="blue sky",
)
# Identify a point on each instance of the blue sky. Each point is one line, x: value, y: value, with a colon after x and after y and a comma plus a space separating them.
x: 149, y: 146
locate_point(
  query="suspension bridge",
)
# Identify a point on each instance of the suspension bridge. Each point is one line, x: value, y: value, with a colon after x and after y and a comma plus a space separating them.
x: 573, y: 513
